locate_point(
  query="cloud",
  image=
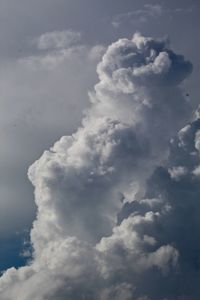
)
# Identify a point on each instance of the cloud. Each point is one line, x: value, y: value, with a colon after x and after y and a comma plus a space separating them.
x: 58, y: 47
x: 178, y: 208
x: 88, y: 240
x: 147, y: 13
x: 177, y: 172
x: 58, y: 39
x: 139, y: 15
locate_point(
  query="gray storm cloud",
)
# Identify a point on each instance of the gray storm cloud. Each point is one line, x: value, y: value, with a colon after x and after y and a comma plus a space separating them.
x: 110, y: 223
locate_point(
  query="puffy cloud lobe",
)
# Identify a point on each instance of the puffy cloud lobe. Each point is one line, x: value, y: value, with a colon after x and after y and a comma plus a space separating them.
x: 177, y: 172
x: 177, y: 193
x: 142, y: 61
x: 82, y: 173
x: 89, y: 241
x: 138, y: 84
x: 126, y: 250
x: 64, y: 264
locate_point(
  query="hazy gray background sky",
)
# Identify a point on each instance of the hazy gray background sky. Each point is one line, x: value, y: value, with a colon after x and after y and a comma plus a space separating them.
x: 43, y: 92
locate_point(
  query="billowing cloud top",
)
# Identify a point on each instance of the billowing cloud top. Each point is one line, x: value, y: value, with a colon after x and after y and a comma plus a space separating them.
x: 110, y: 223
x: 142, y: 61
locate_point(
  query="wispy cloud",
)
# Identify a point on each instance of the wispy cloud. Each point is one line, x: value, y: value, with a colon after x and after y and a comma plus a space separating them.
x: 140, y: 15
x: 57, y: 47
x: 148, y: 12
x: 58, y: 39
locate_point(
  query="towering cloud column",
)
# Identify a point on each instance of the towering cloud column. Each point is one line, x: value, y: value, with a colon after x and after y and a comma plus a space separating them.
x: 96, y: 214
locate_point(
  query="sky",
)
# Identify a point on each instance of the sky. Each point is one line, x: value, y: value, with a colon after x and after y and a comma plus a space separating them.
x: 99, y: 158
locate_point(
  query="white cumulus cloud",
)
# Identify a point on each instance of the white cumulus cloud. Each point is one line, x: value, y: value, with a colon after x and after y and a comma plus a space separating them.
x: 89, y: 241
